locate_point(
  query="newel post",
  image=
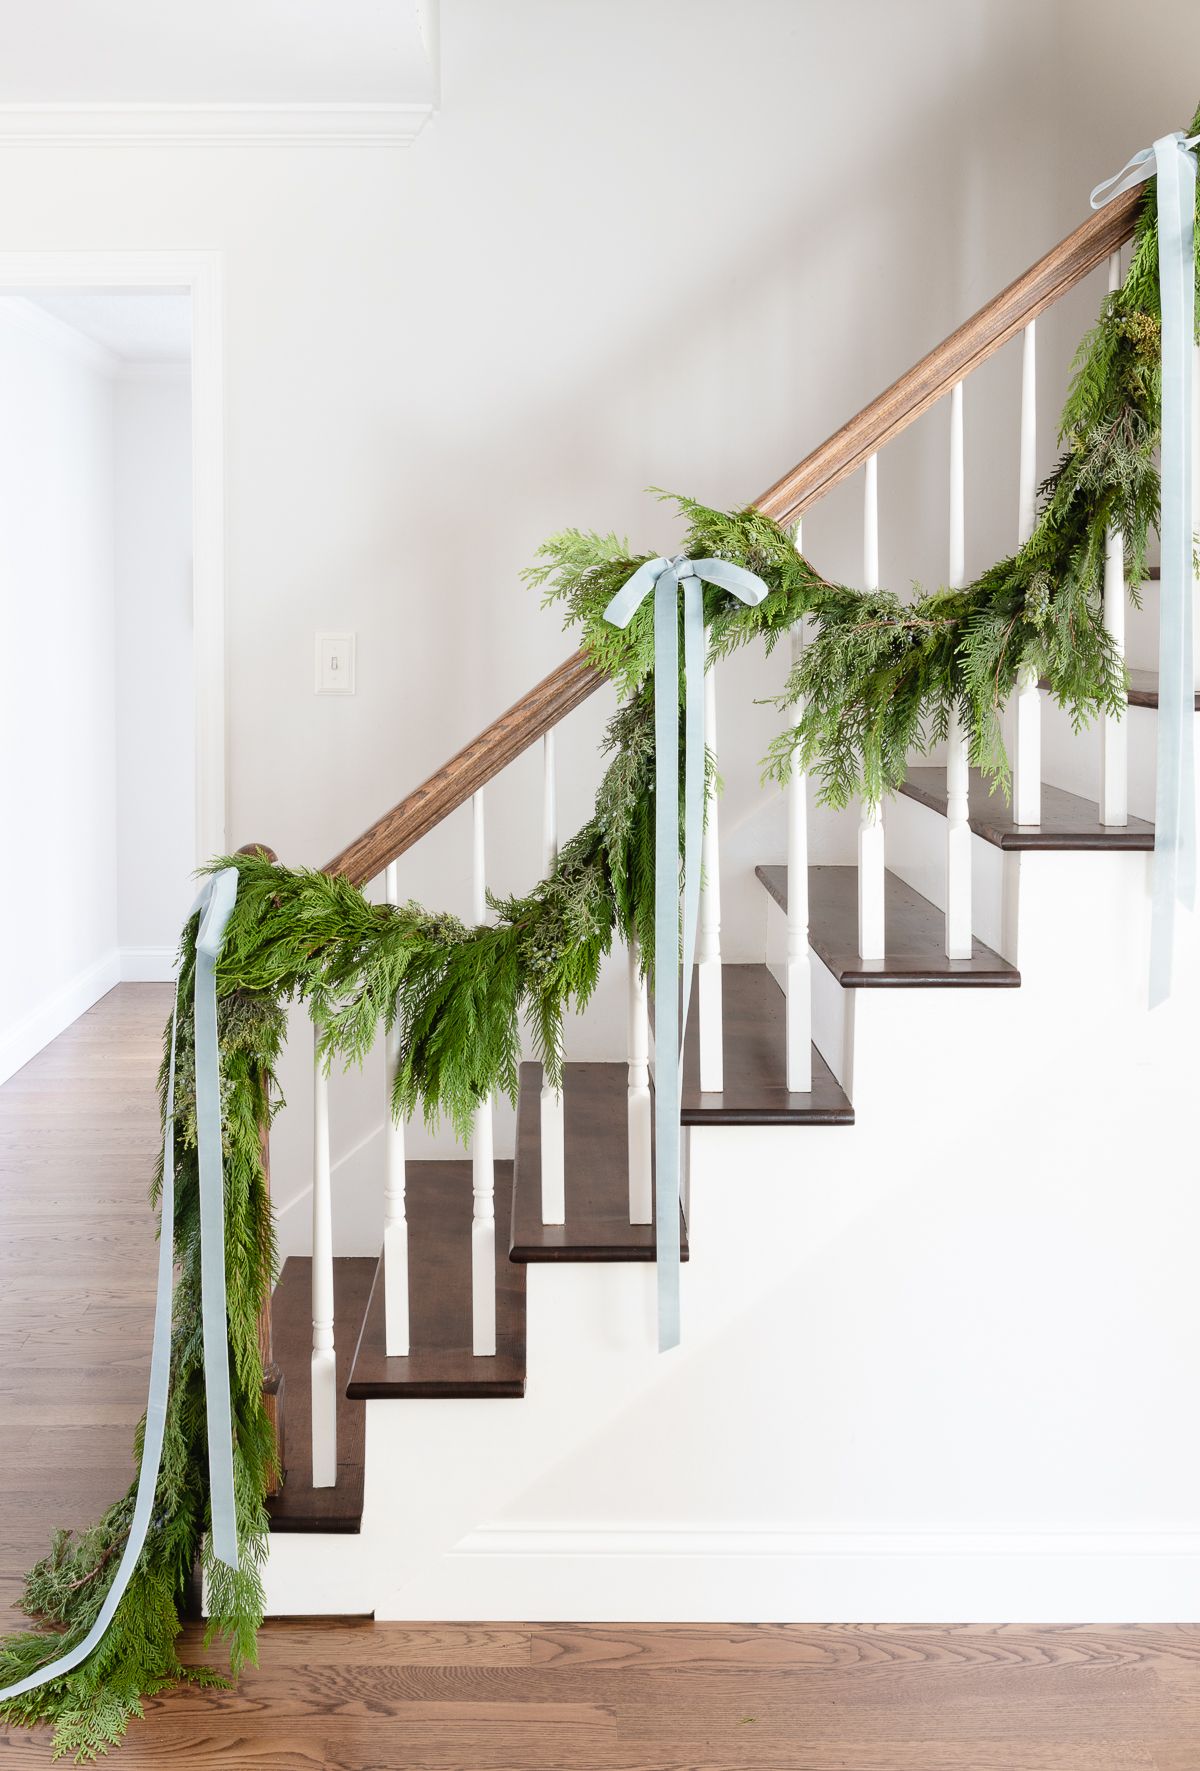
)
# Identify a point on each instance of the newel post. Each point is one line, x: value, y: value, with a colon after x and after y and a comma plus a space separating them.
x: 272, y: 1375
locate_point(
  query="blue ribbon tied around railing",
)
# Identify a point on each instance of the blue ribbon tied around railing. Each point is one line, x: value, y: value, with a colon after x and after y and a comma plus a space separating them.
x: 1172, y: 161
x: 666, y: 577
x: 214, y: 907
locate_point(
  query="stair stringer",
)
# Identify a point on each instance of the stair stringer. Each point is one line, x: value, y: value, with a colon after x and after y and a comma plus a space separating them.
x: 596, y: 1380
x: 876, y: 1410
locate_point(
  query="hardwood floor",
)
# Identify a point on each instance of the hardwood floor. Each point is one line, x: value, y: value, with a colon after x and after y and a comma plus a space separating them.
x: 78, y: 1140
x: 78, y: 1135
x: 579, y: 1697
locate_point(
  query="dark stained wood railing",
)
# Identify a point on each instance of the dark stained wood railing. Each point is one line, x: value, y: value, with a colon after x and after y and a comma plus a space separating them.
x: 877, y: 424
x: 954, y: 359
x: 524, y: 723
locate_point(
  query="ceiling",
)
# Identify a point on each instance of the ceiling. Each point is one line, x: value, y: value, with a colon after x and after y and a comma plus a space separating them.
x: 258, y: 52
x: 132, y: 325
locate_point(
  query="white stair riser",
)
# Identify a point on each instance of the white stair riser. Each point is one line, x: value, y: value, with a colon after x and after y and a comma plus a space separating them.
x: 879, y: 1408
x: 1072, y: 760
x: 917, y: 853
x: 832, y: 1007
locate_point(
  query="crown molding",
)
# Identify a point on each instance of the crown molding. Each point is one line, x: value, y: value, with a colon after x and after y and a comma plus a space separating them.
x: 212, y: 125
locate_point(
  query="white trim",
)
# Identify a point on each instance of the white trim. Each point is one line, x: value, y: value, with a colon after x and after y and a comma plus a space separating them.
x: 724, y: 1539
x: 20, y: 312
x: 148, y: 965
x: 55, y: 1015
x: 700, y: 1573
x: 75, y: 125
x: 429, y: 24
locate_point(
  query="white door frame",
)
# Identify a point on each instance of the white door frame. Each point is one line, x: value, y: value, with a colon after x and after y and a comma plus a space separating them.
x: 200, y: 274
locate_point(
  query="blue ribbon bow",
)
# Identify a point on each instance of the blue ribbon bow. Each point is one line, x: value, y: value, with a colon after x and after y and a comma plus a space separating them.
x: 1171, y: 160
x: 665, y: 577
x: 214, y: 905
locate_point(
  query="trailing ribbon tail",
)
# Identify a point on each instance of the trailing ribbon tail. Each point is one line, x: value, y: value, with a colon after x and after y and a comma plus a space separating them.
x: 665, y: 577
x: 217, y: 906
x: 214, y: 905
x: 1174, y: 164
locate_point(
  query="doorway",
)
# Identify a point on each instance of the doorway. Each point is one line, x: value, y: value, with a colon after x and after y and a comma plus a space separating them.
x: 112, y: 723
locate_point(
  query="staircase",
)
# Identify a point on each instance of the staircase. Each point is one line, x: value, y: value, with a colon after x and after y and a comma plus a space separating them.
x: 883, y: 1012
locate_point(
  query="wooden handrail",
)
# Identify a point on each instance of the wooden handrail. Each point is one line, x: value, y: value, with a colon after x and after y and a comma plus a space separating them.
x: 473, y: 767
x: 846, y: 451
x: 954, y: 359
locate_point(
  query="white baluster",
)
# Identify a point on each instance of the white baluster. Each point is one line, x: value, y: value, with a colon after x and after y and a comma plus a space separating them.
x: 553, y: 1119
x: 958, y: 812
x: 641, y: 1120
x: 799, y: 964
x: 1027, y: 772
x: 1196, y: 509
x: 483, y: 1164
x: 324, y: 1358
x: 549, y: 806
x: 395, y: 1221
x: 1114, y: 759
x: 712, y: 1053
x: 870, y: 827
x: 1114, y: 756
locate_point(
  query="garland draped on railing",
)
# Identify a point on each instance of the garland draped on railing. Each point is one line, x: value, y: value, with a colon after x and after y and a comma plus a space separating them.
x: 878, y: 681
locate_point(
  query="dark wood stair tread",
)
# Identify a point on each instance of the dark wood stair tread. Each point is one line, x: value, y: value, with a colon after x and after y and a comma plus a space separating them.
x: 300, y: 1506
x: 1143, y: 690
x: 755, y: 1054
x: 915, y: 931
x: 1143, y: 684
x: 438, y: 1207
x: 1068, y: 820
x: 597, y: 1172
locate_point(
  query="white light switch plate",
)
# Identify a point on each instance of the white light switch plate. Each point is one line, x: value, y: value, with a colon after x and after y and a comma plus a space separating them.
x: 335, y: 664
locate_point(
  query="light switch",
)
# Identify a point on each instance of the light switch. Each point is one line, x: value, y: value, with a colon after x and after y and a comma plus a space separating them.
x: 335, y: 664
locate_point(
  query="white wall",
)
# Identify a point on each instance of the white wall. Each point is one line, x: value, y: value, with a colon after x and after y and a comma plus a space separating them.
x: 156, y: 839
x: 58, y: 791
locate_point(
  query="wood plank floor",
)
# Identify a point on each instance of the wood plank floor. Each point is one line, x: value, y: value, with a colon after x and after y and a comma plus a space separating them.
x: 77, y: 1141
x: 579, y: 1697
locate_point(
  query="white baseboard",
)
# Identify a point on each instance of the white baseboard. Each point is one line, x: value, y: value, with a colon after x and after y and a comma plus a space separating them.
x: 664, y: 1573
x: 148, y: 965
x: 20, y: 1043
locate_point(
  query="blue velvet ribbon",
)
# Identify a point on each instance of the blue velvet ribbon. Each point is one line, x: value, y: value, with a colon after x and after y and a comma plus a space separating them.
x: 214, y: 906
x: 1173, y: 163
x: 666, y: 577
